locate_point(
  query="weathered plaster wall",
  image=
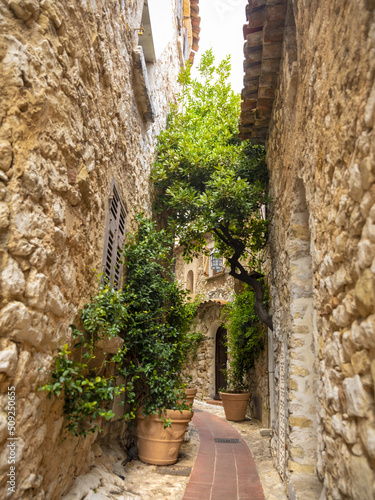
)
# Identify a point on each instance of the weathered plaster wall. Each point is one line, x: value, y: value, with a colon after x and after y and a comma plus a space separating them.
x: 69, y: 122
x: 320, y: 152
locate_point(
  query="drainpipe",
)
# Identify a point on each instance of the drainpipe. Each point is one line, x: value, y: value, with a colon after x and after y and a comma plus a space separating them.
x: 271, y: 379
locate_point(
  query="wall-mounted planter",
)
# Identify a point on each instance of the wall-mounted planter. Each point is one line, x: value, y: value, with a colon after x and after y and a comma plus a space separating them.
x: 158, y: 445
x: 235, y: 405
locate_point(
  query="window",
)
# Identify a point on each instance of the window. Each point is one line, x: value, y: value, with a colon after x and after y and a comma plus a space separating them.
x: 190, y: 281
x: 115, y: 238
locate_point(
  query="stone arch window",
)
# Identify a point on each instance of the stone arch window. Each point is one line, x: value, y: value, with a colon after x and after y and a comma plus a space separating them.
x: 114, y: 238
x: 190, y: 281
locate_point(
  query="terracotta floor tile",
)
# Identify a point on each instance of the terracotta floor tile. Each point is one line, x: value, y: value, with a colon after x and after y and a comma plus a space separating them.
x: 222, y: 470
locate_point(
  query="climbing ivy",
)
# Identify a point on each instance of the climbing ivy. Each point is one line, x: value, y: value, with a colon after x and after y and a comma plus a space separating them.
x: 246, y: 334
x: 153, y: 316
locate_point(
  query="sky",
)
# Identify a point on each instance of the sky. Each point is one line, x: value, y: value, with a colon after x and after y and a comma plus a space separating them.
x: 221, y: 29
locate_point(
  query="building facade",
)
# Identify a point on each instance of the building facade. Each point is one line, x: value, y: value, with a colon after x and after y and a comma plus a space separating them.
x: 309, y: 96
x: 83, y: 98
x: 214, y: 288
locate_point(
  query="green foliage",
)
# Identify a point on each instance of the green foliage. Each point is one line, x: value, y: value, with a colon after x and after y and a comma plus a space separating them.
x: 153, y: 316
x: 245, y: 339
x: 207, y: 178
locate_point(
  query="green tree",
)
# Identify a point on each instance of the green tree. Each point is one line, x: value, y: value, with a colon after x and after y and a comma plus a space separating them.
x: 209, y: 181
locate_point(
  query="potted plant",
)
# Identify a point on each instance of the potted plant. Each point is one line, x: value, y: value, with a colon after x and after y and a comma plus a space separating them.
x: 152, y: 317
x: 158, y: 342
x: 244, y: 341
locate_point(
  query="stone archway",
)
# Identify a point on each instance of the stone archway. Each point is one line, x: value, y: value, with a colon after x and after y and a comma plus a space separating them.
x: 302, y: 353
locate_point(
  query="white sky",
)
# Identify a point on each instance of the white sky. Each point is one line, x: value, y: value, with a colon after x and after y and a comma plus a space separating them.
x: 221, y: 29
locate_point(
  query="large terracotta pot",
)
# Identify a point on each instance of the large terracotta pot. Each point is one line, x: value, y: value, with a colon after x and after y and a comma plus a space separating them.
x: 159, y: 446
x: 190, y: 395
x: 235, y: 405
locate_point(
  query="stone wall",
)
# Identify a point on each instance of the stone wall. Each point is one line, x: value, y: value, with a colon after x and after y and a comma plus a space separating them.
x: 320, y: 154
x: 72, y: 118
x: 259, y: 403
x: 205, y: 285
x: 202, y: 366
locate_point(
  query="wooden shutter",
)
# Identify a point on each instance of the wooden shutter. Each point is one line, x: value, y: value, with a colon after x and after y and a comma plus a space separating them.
x: 115, y: 238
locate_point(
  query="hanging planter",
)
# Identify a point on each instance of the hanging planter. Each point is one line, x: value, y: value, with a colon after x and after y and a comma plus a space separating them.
x: 157, y: 444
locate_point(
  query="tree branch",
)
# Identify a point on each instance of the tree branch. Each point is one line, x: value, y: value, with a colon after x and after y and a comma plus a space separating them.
x: 244, y: 275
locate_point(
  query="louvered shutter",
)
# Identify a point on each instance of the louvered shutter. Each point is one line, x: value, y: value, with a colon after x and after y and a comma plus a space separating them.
x: 115, y: 238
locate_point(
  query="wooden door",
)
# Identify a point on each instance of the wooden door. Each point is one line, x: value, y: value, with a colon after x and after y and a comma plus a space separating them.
x: 220, y: 360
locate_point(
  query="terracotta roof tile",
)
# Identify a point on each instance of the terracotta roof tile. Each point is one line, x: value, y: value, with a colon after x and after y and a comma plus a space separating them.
x: 264, y: 33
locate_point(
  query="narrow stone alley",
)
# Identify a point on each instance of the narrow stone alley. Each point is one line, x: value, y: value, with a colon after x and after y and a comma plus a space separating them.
x: 205, y: 470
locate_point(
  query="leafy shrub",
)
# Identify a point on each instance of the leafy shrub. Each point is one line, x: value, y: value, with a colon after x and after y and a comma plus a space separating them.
x: 245, y: 339
x: 153, y: 316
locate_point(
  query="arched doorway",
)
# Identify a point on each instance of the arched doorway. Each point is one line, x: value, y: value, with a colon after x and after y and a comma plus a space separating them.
x: 221, y: 357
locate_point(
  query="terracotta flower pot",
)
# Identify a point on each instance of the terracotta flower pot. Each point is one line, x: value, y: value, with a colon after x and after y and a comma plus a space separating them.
x: 159, y: 446
x: 235, y: 405
x: 190, y: 395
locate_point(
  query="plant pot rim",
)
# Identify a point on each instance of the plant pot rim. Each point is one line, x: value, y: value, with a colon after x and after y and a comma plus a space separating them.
x: 165, y: 414
x: 234, y: 392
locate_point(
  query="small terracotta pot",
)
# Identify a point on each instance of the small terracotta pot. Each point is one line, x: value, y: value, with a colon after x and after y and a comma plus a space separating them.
x: 190, y: 395
x: 159, y: 446
x: 235, y: 405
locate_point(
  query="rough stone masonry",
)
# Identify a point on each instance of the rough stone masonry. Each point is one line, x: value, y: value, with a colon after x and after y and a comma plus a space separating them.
x: 72, y: 119
x: 310, y: 96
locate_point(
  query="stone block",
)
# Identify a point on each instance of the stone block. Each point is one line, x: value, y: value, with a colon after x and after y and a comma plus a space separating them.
x: 358, y: 400
x: 349, y: 431
x: 36, y: 288
x: 370, y: 109
x: 367, y: 176
x: 12, y: 279
x: 32, y: 181
x: 8, y: 357
x: 361, y: 478
x: 55, y: 301
x: 53, y: 12
x: 361, y: 362
x: 6, y: 155
x: 366, y: 253
x: 367, y: 434
x: 19, y: 9
x: 365, y: 293
x: 4, y: 215
x: 302, y: 422
x: 355, y: 182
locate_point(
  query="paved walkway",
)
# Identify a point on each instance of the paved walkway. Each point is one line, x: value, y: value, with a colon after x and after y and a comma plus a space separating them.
x: 223, y: 470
